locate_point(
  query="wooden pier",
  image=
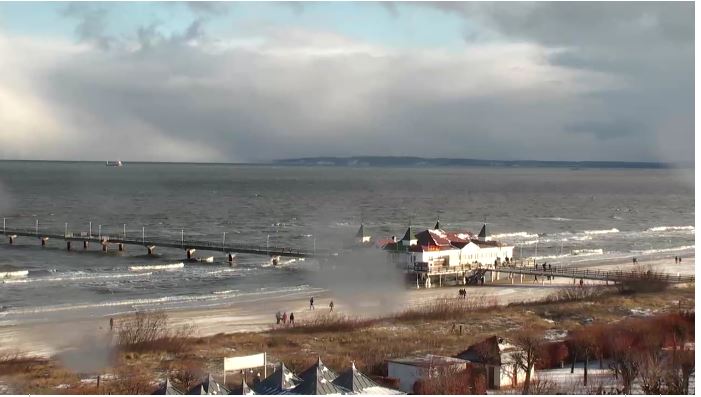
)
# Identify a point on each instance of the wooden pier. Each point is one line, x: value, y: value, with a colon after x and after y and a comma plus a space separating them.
x: 466, y: 275
x: 150, y: 243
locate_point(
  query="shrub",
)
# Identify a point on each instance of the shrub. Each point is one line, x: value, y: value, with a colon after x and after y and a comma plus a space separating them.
x: 149, y: 331
x: 643, y: 279
x: 575, y: 293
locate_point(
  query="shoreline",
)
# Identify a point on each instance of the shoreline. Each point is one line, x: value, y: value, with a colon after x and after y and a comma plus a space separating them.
x: 258, y: 314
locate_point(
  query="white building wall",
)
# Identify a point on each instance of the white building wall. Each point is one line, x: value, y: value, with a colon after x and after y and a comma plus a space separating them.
x: 407, y: 375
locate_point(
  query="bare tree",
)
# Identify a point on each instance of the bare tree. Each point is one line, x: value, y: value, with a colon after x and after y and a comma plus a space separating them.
x: 530, y: 346
x: 625, y: 362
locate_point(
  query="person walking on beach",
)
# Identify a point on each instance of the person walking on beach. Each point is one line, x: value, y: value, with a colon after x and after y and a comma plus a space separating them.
x: 550, y: 267
x: 311, y: 303
x: 635, y: 260
x: 292, y: 319
x: 331, y: 306
x: 278, y: 317
x: 581, y: 282
x: 284, y: 318
x: 111, y: 323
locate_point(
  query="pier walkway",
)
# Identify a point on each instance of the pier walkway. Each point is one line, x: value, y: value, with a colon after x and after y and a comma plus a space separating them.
x: 429, y: 276
x: 152, y: 242
x: 614, y: 276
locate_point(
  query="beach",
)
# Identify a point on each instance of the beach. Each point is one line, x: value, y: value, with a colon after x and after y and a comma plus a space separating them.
x: 258, y: 314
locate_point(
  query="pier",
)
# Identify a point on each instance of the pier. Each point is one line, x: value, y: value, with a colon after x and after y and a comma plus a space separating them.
x: 151, y: 243
x: 429, y: 276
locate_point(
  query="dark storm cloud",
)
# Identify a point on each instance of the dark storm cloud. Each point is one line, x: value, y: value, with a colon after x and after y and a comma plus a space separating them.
x: 649, y: 46
x: 536, y: 81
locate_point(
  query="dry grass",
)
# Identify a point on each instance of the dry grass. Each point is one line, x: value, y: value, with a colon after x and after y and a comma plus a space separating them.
x: 446, y: 309
x: 329, y: 323
x: 340, y: 340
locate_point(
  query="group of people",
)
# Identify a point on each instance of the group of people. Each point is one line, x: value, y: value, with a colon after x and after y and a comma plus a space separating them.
x: 462, y: 293
x: 677, y: 259
x: 546, y: 266
x: 282, y: 318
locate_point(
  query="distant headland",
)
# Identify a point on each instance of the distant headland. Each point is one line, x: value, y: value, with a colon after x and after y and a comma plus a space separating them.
x: 408, y: 161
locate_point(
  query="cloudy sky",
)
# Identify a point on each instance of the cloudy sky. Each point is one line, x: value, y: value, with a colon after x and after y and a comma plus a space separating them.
x: 247, y: 82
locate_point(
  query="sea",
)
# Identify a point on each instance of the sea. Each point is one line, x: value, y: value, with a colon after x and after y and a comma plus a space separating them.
x: 570, y: 217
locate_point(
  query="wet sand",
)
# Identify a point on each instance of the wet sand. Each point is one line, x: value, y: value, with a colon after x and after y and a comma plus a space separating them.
x: 46, y: 339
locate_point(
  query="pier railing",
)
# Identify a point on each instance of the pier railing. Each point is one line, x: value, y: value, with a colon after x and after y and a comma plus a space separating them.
x: 144, y: 240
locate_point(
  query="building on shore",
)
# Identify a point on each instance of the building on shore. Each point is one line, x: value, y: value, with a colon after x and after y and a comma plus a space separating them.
x: 436, y: 252
x: 497, y: 356
x: 409, y: 370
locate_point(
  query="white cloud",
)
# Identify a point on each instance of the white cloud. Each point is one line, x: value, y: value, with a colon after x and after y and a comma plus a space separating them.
x: 289, y: 92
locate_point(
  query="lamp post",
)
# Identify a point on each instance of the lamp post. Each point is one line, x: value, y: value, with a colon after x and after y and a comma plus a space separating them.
x: 124, y: 230
x: 36, y: 227
x: 267, y: 244
x: 223, y: 240
x: 90, y: 229
x: 65, y: 229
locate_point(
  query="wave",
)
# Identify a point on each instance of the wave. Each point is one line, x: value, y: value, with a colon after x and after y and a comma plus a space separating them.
x: 654, y: 251
x: 670, y: 228
x: 606, y: 231
x: 14, y: 273
x: 224, y: 271
x: 580, y: 238
x: 74, y: 278
x: 559, y: 219
x: 584, y: 252
x: 140, y: 302
x: 170, y: 266
x: 515, y: 234
x: 225, y: 292
x: 577, y: 253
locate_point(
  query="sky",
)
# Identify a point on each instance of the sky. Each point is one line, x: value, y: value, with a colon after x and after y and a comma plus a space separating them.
x: 254, y: 82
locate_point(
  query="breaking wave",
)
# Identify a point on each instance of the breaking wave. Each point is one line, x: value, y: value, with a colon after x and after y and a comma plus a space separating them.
x: 79, y: 276
x: 515, y: 234
x: 14, y: 274
x: 654, y: 251
x: 606, y: 231
x: 585, y: 252
x: 670, y: 228
x: 170, y: 266
x: 146, y: 302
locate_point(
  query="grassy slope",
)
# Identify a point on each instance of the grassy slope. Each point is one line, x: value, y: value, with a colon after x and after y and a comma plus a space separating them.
x: 369, y: 344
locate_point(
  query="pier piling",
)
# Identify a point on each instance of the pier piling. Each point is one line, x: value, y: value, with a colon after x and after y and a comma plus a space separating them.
x: 68, y: 245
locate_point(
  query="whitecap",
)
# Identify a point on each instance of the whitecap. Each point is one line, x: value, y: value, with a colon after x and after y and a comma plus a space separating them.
x: 606, y: 231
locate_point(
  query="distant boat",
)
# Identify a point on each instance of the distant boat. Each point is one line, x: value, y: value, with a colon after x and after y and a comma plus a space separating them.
x: 117, y: 163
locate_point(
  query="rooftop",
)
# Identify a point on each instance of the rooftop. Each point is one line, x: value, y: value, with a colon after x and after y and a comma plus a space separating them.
x: 428, y: 360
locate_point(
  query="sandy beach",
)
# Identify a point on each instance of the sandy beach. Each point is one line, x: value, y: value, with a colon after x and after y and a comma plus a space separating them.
x: 46, y: 339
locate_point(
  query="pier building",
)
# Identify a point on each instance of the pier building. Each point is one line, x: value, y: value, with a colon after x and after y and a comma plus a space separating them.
x: 436, y: 252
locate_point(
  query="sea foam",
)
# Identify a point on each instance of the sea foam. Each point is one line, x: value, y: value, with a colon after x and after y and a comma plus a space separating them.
x: 169, y: 266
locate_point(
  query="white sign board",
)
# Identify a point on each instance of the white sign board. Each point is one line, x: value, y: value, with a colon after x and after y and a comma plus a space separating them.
x: 244, y: 362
